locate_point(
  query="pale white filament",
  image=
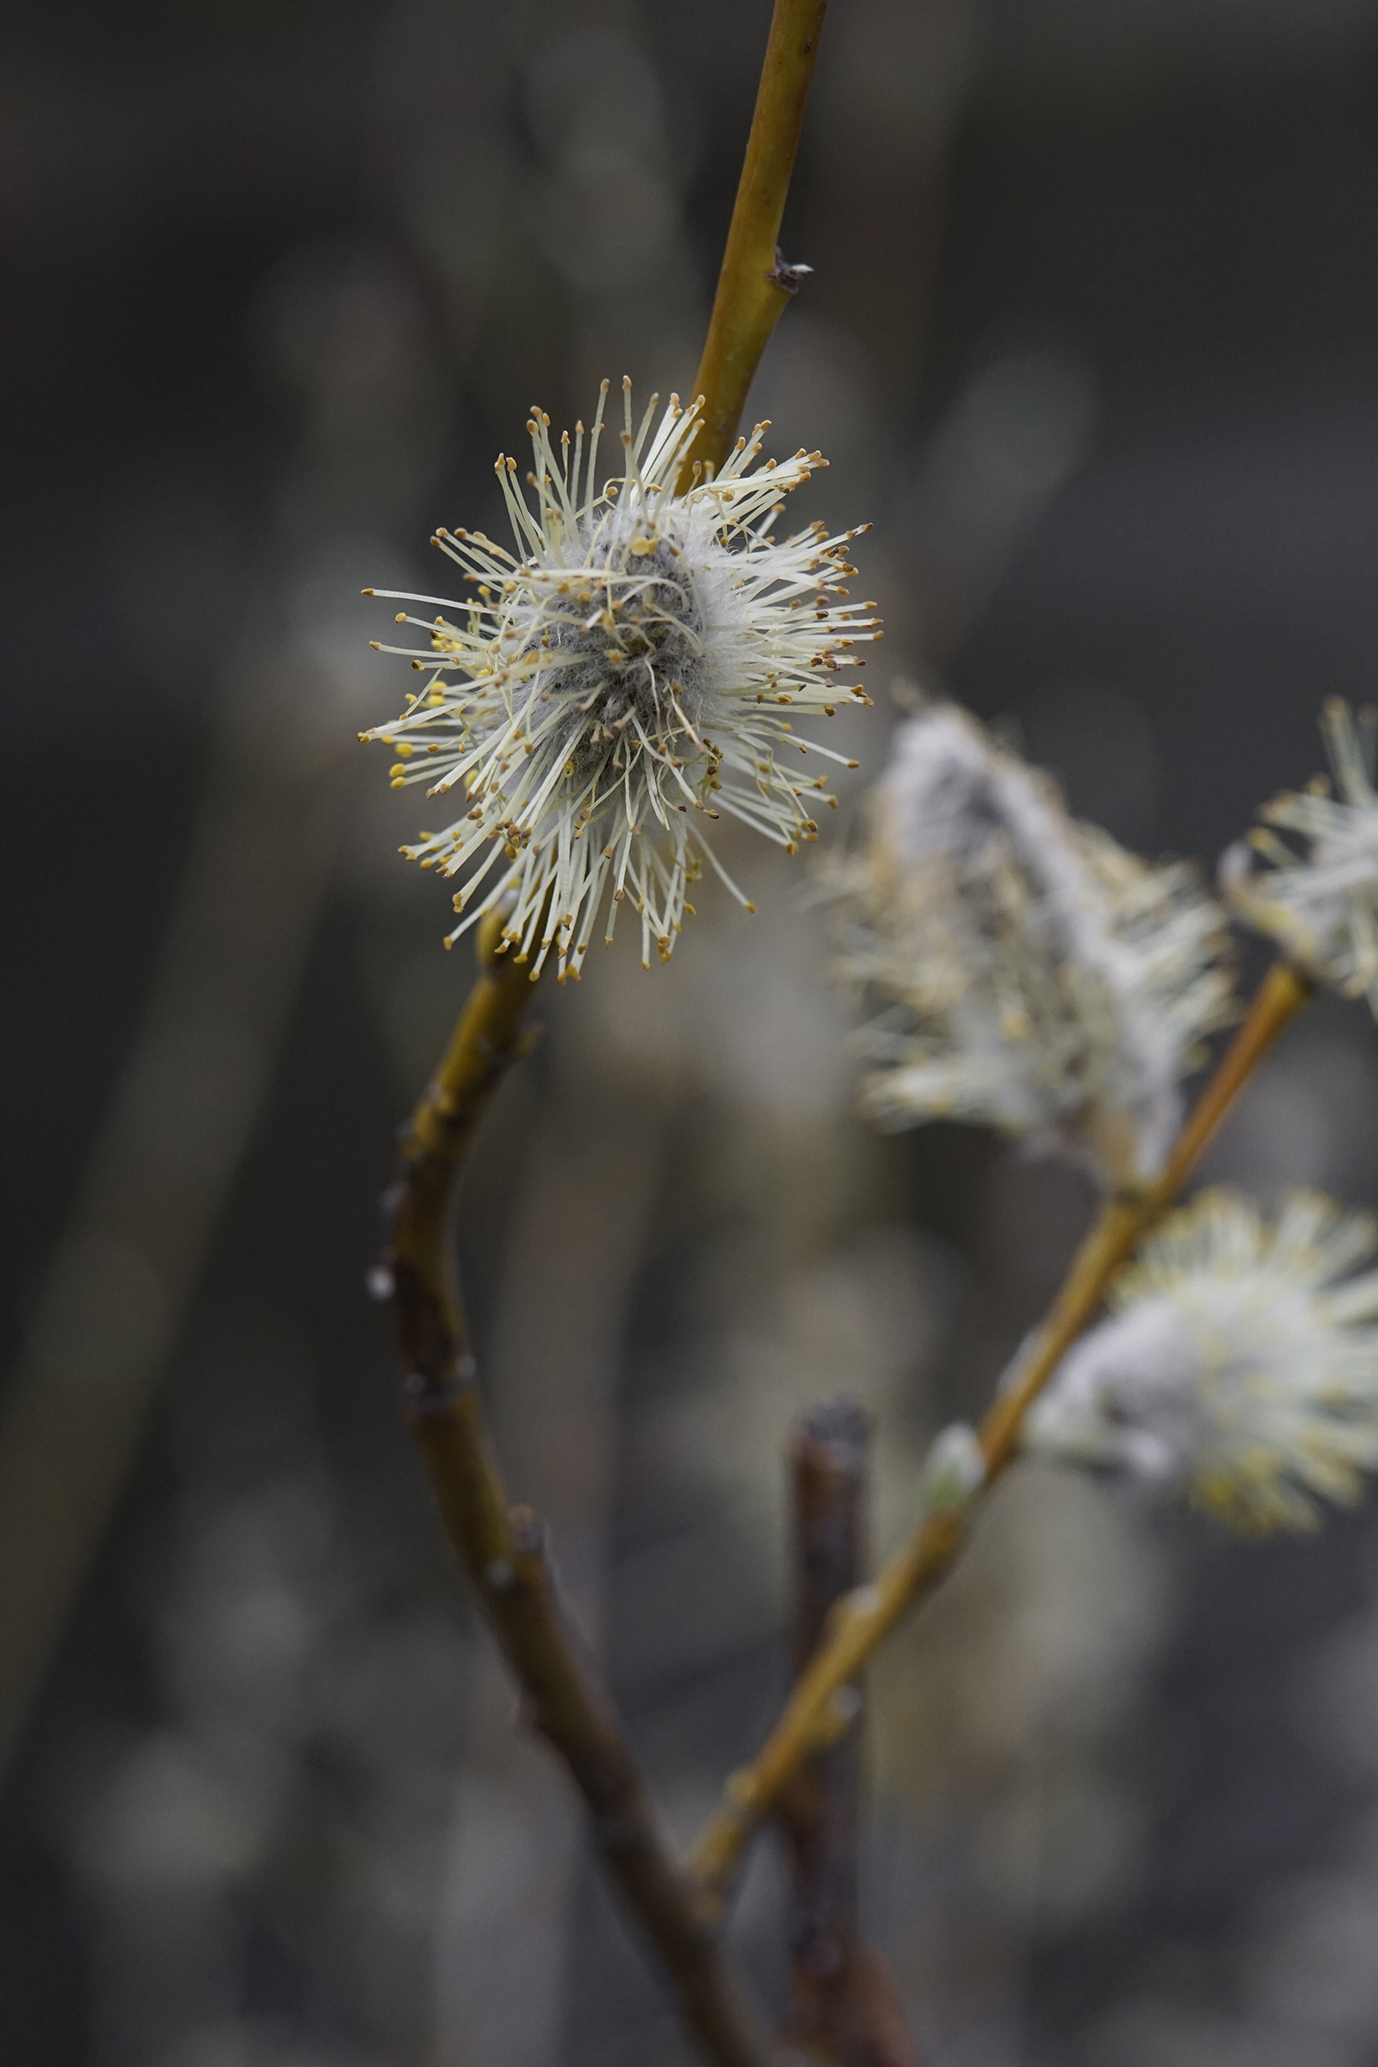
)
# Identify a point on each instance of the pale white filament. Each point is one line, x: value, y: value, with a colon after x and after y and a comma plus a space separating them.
x: 1239, y: 1368
x: 628, y: 674
x: 1032, y: 974
x: 1321, y: 906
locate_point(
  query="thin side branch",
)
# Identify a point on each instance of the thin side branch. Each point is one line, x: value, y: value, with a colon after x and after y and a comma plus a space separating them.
x: 754, y: 285
x: 818, y: 1711
x: 503, y: 1549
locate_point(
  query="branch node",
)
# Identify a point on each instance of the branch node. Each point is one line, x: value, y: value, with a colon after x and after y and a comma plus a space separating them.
x: 428, y: 1393
x: 528, y: 1533
x: 786, y: 277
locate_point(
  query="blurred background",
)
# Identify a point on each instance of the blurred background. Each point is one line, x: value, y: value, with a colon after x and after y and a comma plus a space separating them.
x: 1091, y: 340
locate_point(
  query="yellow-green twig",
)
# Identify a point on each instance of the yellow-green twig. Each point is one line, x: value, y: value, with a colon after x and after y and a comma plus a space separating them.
x: 753, y: 286
x: 813, y: 1716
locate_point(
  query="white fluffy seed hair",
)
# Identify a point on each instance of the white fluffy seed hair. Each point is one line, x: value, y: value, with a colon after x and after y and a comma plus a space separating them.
x: 630, y: 673
x: 1238, y: 1369
x: 1320, y: 905
x: 1031, y: 974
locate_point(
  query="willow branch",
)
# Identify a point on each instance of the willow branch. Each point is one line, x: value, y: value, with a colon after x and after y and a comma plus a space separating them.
x: 818, y: 1711
x: 819, y: 1809
x: 842, y: 2003
x: 503, y: 1550
x: 754, y: 285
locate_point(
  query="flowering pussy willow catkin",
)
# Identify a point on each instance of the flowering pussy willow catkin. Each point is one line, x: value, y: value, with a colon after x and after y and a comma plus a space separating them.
x: 631, y: 672
x: 1239, y: 1368
x: 1031, y: 973
x: 1321, y: 907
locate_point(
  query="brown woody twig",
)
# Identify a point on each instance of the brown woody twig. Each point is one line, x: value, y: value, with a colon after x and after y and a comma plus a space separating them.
x: 818, y: 1810
x: 818, y: 1711
x: 842, y: 2004
x: 503, y: 1549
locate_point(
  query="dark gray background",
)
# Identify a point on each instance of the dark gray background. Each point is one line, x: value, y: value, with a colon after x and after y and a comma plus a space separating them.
x: 1091, y: 339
